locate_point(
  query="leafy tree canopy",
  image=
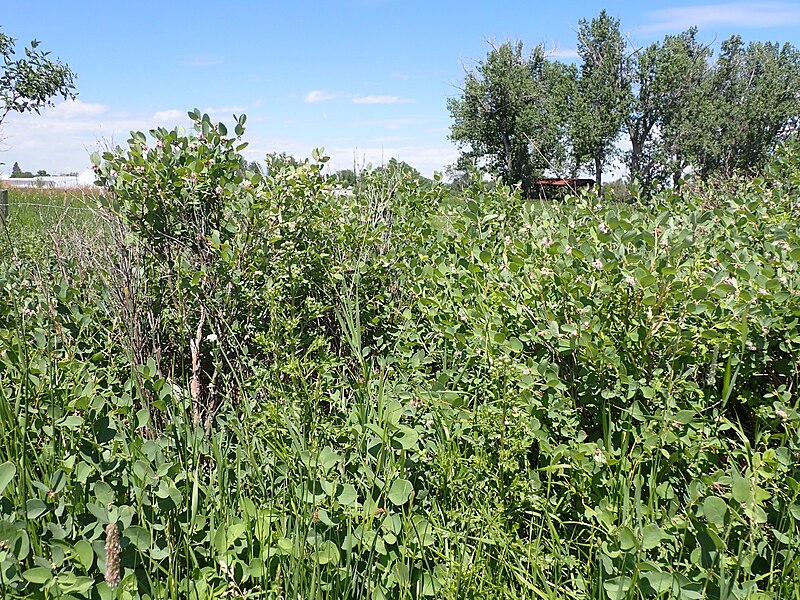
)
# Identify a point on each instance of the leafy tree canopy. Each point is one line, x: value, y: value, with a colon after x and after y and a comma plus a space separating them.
x: 506, y: 115
x: 29, y: 82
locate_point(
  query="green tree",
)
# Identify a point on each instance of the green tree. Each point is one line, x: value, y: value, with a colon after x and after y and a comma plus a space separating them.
x: 753, y: 103
x: 504, y: 117
x: 603, y: 92
x: 16, y: 171
x: 28, y: 83
x: 667, y: 81
x: 346, y: 177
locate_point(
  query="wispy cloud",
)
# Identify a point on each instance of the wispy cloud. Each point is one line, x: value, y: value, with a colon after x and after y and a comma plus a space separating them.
x: 563, y: 53
x: 315, y: 96
x: 398, y: 75
x: 735, y: 14
x: 166, y: 116
x: 77, y: 108
x: 381, y: 100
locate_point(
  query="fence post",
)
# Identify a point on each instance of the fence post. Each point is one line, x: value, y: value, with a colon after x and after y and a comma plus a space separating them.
x: 3, y: 204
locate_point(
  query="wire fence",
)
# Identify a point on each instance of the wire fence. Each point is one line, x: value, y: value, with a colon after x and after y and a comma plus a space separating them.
x: 56, y: 206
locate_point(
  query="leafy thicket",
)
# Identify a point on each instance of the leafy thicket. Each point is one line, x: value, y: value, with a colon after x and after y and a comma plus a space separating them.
x: 261, y: 386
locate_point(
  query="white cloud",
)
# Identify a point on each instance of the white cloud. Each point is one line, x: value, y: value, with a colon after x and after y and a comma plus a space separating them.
x: 315, y: 96
x: 564, y: 53
x: 734, y: 14
x: 166, y: 116
x: 78, y: 108
x: 382, y: 100
x: 226, y: 111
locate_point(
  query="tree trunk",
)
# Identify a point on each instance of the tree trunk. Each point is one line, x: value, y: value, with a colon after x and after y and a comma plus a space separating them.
x: 598, y: 172
x: 636, y: 159
x: 508, y: 157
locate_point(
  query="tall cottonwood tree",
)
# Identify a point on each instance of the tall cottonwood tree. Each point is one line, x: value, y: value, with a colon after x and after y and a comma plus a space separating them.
x: 506, y: 114
x: 603, y: 92
x: 667, y: 80
x: 753, y: 101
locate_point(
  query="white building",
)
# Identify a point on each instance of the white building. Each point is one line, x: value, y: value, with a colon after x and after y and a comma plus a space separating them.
x: 85, y: 179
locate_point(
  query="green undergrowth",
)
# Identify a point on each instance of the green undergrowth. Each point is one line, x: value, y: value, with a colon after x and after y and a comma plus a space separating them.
x: 268, y: 388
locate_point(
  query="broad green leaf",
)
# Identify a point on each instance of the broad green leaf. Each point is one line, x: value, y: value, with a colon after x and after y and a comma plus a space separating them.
x: 652, y: 536
x: 400, y: 491
x: 617, y: 588
x: 658, y: 581
x: 430, y: 584
x: 327, y: 553
x: 85, y: 553
x: 38, y: 575
x: 715, y: 509
x: 235, y: 531
x: 740, y: 488
x: 70, y: 422
x: 627, y: 540
x: 423, y: 531
x: 81, y: 584
x: 35, y: 508
x: 139, y: 537
x: 257, y: 567
x: 142, y: 418
x: 328, y: 458
x: 515, y: 344
x: 286, y: 546
x: 348, y: 496
x: 104, y: 493
x: 408, y: 438
x: 7, y: 472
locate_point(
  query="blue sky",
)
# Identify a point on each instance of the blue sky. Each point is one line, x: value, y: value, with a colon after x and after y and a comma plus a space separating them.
x: 365, y: 79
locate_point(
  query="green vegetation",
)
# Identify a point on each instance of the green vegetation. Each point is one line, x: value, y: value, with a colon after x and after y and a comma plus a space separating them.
x: 17, y: 172
x: 523, y: 116
x: 229, y: 382
x: 28, y: 83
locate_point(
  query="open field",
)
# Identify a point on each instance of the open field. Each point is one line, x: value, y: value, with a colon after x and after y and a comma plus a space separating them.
x: 406, y: 393
x: 43, y: 209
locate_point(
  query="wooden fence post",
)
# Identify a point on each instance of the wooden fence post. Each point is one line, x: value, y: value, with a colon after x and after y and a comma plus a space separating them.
x: 3, y: 204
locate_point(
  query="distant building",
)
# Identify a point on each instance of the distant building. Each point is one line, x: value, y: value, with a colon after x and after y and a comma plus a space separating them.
x: 85, y: 179
x: 554, y: 186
